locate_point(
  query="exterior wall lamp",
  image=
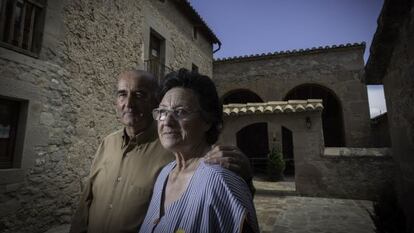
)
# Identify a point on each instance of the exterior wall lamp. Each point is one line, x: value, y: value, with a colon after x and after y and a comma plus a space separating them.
x: 308, y: 122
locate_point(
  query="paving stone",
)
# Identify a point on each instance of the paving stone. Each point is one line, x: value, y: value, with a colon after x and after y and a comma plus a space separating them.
x: 285, y: 214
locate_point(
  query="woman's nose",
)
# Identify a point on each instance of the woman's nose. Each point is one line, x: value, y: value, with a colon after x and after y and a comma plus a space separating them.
x: 169, y: 118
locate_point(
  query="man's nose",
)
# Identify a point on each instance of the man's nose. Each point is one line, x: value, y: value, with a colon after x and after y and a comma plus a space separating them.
x: 130, y: 101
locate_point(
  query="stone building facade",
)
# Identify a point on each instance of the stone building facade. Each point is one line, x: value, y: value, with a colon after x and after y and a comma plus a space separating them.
x: 320, y: 166
x: 391, y: 63
x: 358, y: 173
x: 333, y: 74
x: 57, y: 91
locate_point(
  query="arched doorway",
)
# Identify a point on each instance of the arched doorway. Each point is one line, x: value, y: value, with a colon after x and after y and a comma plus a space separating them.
x: 241, y: 96
x: 253, y: 141
x: 332, y: 121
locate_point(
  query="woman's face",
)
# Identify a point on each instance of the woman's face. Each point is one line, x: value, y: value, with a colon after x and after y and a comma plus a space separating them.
x: 184, y: 129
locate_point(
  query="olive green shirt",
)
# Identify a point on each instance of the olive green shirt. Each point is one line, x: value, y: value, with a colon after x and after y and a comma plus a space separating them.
x: 119, y: 187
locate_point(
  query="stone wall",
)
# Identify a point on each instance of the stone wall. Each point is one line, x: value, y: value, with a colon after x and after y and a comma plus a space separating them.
x: 398, y: 90
x: 272, y: 76
x: 355, y: 173
x: 182, y: 50
x: 68, y: 94
x: 380, y: 131
x: 307, y: 142
x: 42, y: 187
x: 391, y: 63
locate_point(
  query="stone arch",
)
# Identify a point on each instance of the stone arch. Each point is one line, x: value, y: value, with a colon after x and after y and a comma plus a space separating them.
x: 332, y: 114
x: 241, y: 96
x: 253, y: 141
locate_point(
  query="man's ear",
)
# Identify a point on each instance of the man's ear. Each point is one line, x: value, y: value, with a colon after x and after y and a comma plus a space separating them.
x: 156, y: 97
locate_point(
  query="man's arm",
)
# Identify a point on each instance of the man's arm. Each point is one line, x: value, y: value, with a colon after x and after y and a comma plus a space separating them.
x: 80, y: 219
x: 232, y: 158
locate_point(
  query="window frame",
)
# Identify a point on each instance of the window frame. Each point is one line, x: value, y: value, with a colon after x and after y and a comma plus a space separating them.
x: 21, y: 121
x: 33, y: 36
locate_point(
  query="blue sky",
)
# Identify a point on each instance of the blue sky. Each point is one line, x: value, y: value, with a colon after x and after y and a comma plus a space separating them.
x: 249, y: 27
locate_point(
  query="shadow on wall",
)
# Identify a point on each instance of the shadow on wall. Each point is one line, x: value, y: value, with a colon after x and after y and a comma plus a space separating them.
x: 332, y: 120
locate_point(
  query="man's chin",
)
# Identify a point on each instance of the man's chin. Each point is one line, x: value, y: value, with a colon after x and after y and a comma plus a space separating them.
x: 128, y: 122
x: 136, y: 123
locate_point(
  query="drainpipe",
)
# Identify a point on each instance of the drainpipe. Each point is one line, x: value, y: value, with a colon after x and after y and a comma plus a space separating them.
x: 219, y: 44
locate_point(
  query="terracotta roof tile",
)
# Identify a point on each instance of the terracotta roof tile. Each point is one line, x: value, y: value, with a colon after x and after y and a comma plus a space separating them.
x: 289, y: 52
x: 273, y: 107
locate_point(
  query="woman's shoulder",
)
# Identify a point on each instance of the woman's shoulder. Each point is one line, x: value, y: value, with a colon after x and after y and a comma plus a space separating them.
x: 169, y: 166
x: 227, y: 191
x: 217, y: 170
x: 221, y: 176
x: 166, y: 170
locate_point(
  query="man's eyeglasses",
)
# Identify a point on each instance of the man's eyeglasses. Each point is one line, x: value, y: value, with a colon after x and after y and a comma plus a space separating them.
x: 160, y: 114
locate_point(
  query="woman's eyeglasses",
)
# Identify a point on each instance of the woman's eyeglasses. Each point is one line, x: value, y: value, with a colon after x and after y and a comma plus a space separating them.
x: 181, y: 114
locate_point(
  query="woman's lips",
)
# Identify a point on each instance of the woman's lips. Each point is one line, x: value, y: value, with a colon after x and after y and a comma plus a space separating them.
x: 172, y: 133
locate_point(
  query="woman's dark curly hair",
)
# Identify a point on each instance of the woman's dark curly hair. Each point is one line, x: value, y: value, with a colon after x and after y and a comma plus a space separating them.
x: 205, y: 90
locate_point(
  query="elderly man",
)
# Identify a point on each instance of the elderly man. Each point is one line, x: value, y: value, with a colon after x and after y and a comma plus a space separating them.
x: 127, y: 162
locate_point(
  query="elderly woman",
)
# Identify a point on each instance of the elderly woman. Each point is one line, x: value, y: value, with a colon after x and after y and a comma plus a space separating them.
x: 189, y: 195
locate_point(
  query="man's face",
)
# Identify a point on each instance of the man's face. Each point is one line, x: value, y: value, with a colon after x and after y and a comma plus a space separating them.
x: 135, y: 100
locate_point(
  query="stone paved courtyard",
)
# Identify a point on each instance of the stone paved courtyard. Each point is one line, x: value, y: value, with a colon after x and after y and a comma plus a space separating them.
x: 279, y: 210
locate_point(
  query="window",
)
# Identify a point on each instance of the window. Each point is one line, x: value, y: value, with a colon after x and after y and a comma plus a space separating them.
x: 156, y: 58
x: 9, y: 117
x: 21, y: 25
x: 194, y: 68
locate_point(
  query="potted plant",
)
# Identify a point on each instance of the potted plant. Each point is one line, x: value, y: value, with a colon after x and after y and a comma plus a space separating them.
x: 275, y: 164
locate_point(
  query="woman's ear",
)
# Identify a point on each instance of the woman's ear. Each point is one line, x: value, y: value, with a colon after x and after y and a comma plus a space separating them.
x: 206, y: 126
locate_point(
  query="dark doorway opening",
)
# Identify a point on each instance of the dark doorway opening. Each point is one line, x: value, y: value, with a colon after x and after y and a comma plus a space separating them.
x: 253, y: 142
x: 332, y: 121
x: 287, y: 150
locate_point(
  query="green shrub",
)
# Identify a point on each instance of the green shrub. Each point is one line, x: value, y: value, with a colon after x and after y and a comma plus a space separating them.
x: 275, y: 164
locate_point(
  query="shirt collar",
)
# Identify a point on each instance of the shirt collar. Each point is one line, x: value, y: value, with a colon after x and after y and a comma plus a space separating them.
x: 149, y: 134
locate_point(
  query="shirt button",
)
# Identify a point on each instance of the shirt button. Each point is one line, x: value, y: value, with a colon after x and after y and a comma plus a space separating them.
x: 118, y: 179
x: 110, y: 206
x: 156, y: 221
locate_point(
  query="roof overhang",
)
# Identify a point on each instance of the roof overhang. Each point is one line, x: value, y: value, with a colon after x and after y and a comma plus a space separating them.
x: 273, y: 107
x: 189, y: 10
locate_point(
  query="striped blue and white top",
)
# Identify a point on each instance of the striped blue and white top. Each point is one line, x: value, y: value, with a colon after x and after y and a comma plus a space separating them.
x: 216, y: 200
